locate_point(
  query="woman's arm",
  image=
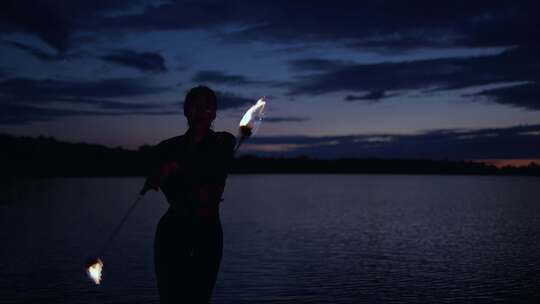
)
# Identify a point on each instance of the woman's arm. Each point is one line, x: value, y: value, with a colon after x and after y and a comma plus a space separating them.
x: 158, y: 176
x: 161, y: 166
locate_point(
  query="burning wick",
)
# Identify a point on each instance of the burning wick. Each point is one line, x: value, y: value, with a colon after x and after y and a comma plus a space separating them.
x: 251, y: 120
x: 94, y: 268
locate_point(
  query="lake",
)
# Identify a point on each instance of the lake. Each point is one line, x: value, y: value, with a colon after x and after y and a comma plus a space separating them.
x: 287, y: 239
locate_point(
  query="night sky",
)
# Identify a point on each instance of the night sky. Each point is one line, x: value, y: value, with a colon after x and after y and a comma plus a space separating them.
x: 406, y: 79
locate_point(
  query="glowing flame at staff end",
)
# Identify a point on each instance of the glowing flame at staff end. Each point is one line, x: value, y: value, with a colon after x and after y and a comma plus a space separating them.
x: 250, y: 121
x: 94, y: 269
x: 253, y: 114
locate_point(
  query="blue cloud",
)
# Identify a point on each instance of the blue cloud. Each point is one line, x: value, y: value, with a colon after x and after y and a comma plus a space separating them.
x: 217, y: 77
x: 516, y: 64
x: 143, y: 61
x: 45, y: 90
x: 360, y: 24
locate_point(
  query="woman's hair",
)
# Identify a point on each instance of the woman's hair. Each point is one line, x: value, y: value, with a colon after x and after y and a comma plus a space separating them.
x: 197, y: 93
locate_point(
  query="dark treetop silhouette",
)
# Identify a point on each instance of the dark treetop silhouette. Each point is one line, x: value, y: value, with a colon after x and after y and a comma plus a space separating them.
x: 27, y: 157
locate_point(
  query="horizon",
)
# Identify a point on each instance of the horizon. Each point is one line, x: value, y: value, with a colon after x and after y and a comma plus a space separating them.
x: 498, y: 163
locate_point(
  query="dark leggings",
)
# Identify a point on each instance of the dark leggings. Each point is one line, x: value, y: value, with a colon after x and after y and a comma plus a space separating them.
x: 187, y: 254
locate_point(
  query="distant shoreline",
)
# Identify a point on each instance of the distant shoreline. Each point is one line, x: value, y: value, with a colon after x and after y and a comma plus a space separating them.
x: 47, y: 157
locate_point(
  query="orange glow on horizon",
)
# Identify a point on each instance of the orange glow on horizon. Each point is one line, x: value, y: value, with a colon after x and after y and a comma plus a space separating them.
x: 499, y: 163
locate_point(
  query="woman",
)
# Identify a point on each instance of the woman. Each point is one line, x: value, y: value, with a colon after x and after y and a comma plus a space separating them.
x: 191, y: 170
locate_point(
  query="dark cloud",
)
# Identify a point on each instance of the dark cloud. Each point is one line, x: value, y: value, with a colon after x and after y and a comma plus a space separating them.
x: 364, y: 24
x: 318, y: 65
x: 399, y: 43
x: 511, y: 142
x: 217, y: 77
x: 36, y: 52
x: 275, y: 119
x: 379, y: 77
x: 143, y: 61
x: 228, y: 100
x: 39, y: 18
x: 516, y: 64
x: 55, y: 22
x: 371, y: 96
x: 17, y: 114
x: 445, y: 73
x: 111, y: 104
x: 174, y: 15
x: 386, y: 24
x: 22, y: 93
x: 524, y: 95
x: 47, y: 90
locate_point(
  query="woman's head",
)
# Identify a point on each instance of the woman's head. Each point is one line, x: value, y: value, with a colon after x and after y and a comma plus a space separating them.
x: 200, y: 107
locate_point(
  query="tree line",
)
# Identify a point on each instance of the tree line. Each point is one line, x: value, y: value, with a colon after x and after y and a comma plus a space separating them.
x: 47, y: 157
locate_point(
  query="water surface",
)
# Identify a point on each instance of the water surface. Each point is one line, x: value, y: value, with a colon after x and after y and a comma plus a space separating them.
x: 288, y: 239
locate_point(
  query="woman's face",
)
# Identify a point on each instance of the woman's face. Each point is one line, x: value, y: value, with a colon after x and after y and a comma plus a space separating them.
x: 200, y: 114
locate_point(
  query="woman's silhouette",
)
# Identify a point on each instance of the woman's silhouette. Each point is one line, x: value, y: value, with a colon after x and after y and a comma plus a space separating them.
x: 191, y: 170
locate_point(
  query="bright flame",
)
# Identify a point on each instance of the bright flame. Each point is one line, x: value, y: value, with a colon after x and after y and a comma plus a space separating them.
x: 94, y: 271
x: 254, y: 115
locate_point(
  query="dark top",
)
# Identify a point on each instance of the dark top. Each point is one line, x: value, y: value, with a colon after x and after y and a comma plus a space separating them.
x: 203, y: 165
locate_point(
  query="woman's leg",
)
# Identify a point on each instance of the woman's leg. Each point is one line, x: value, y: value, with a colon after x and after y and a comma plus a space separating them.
x: 172, y: 260
x: 207, y: 255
